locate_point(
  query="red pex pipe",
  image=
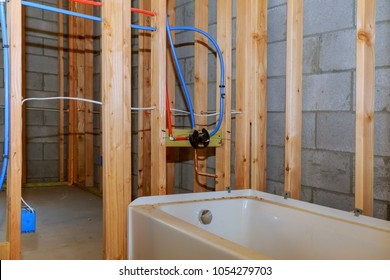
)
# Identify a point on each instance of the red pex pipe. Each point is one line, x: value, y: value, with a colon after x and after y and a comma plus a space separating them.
x: 168, y: 112
x: 88, y: 2
x: 145, y: 12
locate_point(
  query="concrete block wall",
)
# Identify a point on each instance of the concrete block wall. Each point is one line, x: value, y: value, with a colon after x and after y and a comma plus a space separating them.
x: 328, y: 103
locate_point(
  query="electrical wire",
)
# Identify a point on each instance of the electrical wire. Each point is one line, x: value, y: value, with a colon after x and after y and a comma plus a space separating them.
x: 4, y: 35
x: 201, y: 115
x: 28, y: 206
x: 61, y: 97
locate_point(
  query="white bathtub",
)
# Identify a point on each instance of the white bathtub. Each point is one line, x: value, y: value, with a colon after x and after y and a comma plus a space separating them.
x: 250, y: 225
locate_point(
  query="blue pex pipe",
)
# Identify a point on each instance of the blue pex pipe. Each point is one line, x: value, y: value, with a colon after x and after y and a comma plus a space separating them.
x: 181, y: 77
x: 69, y: 13
x: 222, y: 66
x: 6, y: 93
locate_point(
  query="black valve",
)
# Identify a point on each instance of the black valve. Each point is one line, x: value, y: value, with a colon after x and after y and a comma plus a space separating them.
x: 199, y: 139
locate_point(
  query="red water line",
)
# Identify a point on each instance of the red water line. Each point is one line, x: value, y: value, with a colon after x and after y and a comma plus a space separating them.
x: 181, y: 138
x: 88, y: 2
x: 145, y: 12
x: 168, y: 112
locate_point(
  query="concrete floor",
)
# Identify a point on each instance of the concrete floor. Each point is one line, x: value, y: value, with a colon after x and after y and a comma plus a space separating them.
x: 68, y: 224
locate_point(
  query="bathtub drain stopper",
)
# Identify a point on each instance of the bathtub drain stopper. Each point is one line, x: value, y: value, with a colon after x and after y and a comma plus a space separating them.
x: 205, y: 217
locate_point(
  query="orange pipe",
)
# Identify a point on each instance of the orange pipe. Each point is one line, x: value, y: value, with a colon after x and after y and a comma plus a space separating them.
x: 88, y: 2
x: 145, y: 12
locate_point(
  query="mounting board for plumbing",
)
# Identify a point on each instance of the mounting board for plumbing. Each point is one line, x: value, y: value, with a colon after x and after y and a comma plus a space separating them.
x: 215, y: 141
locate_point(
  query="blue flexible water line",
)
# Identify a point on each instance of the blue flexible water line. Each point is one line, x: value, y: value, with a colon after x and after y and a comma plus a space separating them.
x: 181, y: 77
x: 222, y: 67
x: 4, y: 35
x: 70, y: 13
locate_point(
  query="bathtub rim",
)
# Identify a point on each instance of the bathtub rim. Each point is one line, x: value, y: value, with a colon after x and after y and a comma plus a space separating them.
x: 316, y: 209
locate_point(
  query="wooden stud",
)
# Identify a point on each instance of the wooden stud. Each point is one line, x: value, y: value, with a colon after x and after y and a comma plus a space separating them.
x: 15, y: 161
x: 224, y: 33
x: 201, y: 86
x: 72, y: 122
x: 61, y: 85
x: 24, y: 116
x: 243, y: 94
x: 259, y: 96
x: 4, y: 251
x: 171, y: 84
x: 80, y: 93
x: 88, y: 94
x: 292, y: 175
x: 158, y: 88
x: 144, y: 96
x: 365, y: 85
x: 116, y: 86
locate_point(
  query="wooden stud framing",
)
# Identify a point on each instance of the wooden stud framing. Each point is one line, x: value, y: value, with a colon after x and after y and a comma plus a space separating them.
x: 61, y: 85
x: 259, y: 104
x: 224, y: 33
x: 72, y: 126
x: 293, y: 140
x: 24, y: 116
x: 201, y: 86
x: 144, y: 95
x: 251, y: 94
x: 4, y: 251
x: 171, y: 84
x: 88, y: 94
x: 15, y: 161
x: 116, y: 85
x: 243, y: 82
x: 158, y: 87
x: 365, y: 83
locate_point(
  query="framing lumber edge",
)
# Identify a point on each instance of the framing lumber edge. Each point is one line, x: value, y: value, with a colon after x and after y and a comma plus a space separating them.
x: 144, y: 95
x: 116, y: 86
x: 201, y: 85
x: 293, y: 137
x: 171, y: 84
x: 158, y: 88
x: 365, y: 91
x: 13, y: 231
x: 4, y: 251
x: 224, y: 39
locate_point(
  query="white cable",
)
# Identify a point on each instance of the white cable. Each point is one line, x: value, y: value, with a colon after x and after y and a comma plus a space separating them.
x: 142, y: 109
x: 201, y: 115
x: 64, y: 97
x: 25, y: 203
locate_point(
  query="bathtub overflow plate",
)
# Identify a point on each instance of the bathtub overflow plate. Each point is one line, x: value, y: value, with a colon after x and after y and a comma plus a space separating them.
x: 205, y: 217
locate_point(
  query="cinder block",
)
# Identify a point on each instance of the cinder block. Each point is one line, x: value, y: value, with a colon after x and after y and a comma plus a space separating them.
x: 187, y: 177
x: 382, y: 178
x: 326, y: 170
x: 34, y: 81
x: 336, y: 131
x: 179, y: 14
x: 42, y: 169
x: 382, y: 10
x: 42, y: 64
x: 212, y: 12
x: 334, y: 200
x: 34, y: 151
x: 338, y: 50
x: 327, y: 92
x: 382, y: 134
x: 306, y: 194
x: 276, y: 59
x: 277, y: 22
x: 34, y: 117
x: 50, y: 47
x: 275, y: 187
x: 189, y: 70
x: 276, y: 94
x: 50, y: 151
x: 276, y: 128
x: 42, y: 134
x: 308, y: 130
x: 382, y: 44
x: 382, y: 89
x: 311, y: 55
x: 34, y: 44
x: 273, y: 3
x: 34, y: 13
x: 275, y: 163
x: 50, y: 82
x: 327, y: 15
x: 42, y: 28
x: 381, y: 210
